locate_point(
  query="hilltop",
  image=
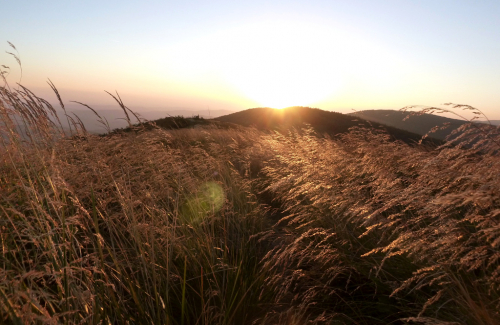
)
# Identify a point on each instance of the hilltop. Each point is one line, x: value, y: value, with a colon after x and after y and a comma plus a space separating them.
x: 416, y: 123
x: 328, y: 122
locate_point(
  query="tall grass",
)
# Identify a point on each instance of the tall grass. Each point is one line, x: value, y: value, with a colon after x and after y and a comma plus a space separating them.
x: 138, y: 227
x: 379, y: 228
x: 237, y: 226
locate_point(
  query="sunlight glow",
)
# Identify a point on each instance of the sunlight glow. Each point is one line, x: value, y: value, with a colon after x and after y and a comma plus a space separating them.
x: 281, y: 63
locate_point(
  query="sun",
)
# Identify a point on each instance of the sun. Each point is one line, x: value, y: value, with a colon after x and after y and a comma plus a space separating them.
x: 281, y: 63
x: 284, y: 89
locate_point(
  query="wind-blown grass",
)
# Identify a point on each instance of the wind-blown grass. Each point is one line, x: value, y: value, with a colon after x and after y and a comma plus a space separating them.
x: 229, y: 225
x: 377, y: 227
x: 142, y: 227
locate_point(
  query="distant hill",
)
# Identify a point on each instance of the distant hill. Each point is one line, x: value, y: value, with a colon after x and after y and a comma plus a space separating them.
x: 493, y: 122
x: 116, y: 117
x: 419, y: 124
x: 322, y: 121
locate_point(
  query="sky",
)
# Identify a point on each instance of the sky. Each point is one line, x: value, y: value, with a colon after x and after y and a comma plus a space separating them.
x: 333, y: 55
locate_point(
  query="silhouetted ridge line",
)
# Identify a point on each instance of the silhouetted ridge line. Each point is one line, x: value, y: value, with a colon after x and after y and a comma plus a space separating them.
x: 331, y: 123
x: 416, y: 123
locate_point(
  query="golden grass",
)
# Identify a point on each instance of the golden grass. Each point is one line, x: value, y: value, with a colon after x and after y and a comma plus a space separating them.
x: 237, y: 226
x: 123, y: 227
x: 367, y: 216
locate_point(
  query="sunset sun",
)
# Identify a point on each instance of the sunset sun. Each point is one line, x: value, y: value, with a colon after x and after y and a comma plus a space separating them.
x: 281, y: 63
x: 282, y: 68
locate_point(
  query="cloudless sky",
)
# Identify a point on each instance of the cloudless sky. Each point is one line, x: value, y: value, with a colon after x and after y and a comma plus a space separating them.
x: 334, y: 55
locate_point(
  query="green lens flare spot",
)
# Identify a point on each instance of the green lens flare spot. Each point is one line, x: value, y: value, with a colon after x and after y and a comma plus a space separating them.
x: 207, y: 200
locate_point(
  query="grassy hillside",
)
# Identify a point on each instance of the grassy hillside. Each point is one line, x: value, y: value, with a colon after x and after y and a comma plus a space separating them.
x: 417, y: 123
x: 205, y: 224
x: 322, y: 121
x: 113, y: 115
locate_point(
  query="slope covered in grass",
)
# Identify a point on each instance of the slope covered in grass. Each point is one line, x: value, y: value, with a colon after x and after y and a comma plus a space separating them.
x: 207, y: 224
x: 420, y: 124
x: 331, y: 123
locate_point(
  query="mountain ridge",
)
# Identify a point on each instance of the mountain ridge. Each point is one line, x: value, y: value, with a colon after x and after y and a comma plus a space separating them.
x: 322, y: 121
x: 414, y: 122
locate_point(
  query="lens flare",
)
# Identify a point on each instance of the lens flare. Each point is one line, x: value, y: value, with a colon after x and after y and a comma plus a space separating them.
x: 207, y: 200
